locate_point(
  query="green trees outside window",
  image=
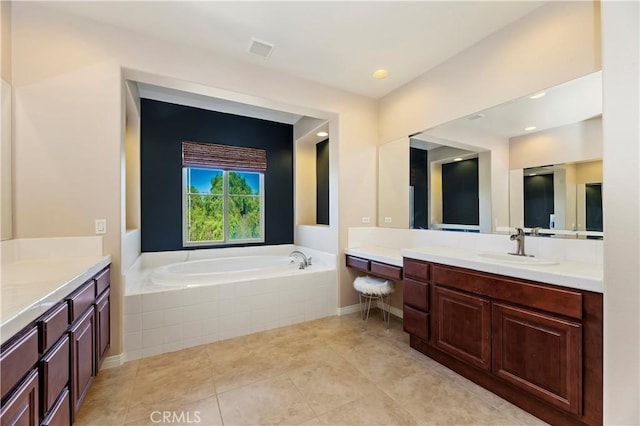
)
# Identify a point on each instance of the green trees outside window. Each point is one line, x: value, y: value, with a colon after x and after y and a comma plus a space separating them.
x: 222, y: 206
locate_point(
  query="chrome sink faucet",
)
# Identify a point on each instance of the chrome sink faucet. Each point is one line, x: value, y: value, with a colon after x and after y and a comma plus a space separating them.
x: 301, y: 257
x: 519, y: 238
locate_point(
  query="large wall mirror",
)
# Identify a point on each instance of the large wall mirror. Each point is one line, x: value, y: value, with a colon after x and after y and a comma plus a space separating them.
x: 531, y: 162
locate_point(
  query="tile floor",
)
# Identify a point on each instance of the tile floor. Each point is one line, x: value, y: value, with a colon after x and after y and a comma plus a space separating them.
x: 323, y: 372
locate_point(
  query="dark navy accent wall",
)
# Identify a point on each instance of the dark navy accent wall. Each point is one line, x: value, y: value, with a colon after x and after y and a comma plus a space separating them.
x: 164, y: 126
x: 460, y: 193
x: 322, y: 182
x: 419, y: 180
x: 538, y: 200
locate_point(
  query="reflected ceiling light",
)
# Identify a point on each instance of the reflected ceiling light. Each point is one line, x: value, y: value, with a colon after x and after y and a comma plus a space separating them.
x: 530, y: 128
x: 537, y: 95
x: 457, y: 159
x: 532, y: 174
x: 322, y: 134
x: 380, y: 74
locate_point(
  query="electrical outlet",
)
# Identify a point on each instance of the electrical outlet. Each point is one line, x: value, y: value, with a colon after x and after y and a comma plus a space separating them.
x: 387, y: 219
x: 366, y: 219
x: 101, y: 226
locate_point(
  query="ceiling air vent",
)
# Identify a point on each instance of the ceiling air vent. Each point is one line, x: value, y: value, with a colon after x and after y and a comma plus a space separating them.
x: 261, y: 47
x: 475, y: 116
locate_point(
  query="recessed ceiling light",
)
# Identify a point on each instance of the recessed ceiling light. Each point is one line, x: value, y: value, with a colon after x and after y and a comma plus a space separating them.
x: 537, y: 95
x: 457, y: 159
x: 322, y: 134
x: 380, y: 74
x: 528, y: 129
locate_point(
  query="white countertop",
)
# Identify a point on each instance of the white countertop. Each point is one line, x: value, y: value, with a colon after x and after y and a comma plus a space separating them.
x: 29, y: 287
x: 578, y: 275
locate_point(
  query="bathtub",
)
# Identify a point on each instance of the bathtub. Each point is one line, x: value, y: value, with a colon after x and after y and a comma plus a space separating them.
x: 176, y: 300
x: 212, y: 271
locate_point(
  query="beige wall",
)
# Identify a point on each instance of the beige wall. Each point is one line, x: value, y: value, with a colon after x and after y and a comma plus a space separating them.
x: 589, y: 172
x: 566, y: 144
x: 393, y: 184
x: 5, y: 41
x: 555, y: 43
x: 6, y: 170
x: 70, y: 126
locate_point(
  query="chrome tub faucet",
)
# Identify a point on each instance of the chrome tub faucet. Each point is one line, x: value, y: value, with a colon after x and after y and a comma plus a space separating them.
x: 301, y: 257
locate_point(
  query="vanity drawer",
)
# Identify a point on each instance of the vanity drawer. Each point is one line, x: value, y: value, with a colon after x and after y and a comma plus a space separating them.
x: 386, y: 270
x: 416, y: 270
x: 468, y: 281
x: 54, y: 371
x: 358, y: 263
x: 53, y: 325
x: 17, y: 359
x: 416, y: 294
x: 60, y: 414
x: 81, y: 299
x: 415, y: 322
x: 103, y: 281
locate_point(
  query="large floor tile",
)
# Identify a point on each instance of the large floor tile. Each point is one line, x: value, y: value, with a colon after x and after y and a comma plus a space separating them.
x: 326, y: 371
x: 273, y: 401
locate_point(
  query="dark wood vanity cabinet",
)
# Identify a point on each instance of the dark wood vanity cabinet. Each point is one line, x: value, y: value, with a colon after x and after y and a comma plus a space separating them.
x: 462, y: 326
x: 539, y: 353
x: 47, y: 367
x: 536, y: 345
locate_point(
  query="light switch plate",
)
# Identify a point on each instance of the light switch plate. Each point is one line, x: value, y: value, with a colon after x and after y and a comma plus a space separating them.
x: 101, y: 226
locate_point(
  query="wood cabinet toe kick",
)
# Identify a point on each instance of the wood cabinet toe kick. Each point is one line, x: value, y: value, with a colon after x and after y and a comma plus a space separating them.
x: 536, y: 345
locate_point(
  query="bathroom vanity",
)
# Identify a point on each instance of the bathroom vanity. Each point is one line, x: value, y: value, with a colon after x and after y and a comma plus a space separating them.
x: 530, y: 334
x: 48, y: 365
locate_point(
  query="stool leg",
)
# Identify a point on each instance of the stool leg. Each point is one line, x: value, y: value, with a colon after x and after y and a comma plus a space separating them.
x: 387, y: 318
x: 368, y: 299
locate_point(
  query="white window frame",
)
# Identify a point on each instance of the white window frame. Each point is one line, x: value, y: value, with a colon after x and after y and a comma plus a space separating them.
x: 226, y: 241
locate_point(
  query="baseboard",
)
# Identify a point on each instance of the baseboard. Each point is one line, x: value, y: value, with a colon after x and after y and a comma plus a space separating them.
x: 347, y: 310
x: 112, y: 361
x: 356, y: 308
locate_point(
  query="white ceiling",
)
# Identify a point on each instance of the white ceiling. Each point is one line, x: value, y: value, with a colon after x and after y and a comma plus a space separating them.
x: 339, y: 44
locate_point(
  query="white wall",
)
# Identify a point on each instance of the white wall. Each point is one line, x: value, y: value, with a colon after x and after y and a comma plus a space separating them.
x: 621, y: 196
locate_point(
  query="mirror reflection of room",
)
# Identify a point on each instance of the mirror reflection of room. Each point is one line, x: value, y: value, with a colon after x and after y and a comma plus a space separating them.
x: 564, y: 149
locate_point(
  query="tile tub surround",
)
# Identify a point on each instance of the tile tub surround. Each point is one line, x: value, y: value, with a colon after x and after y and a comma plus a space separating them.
x: 160, y: 319
x: 321, y: 372
x: 39, y: 272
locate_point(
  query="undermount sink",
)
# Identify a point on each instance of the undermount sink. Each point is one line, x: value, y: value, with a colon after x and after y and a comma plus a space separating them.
x: 518, y: 260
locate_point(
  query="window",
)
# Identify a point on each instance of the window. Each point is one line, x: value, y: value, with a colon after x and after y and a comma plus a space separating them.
x: 223, y: 194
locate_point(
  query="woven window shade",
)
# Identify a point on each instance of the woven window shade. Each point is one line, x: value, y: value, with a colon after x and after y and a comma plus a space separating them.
x: 225, y: 157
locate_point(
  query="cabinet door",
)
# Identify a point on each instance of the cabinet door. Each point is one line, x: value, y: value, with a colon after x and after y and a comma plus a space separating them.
x: 539, y: 353
x: 103, y: 327
x: 22, y: 408
x: 83, y: 346
x: 462, y: 326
